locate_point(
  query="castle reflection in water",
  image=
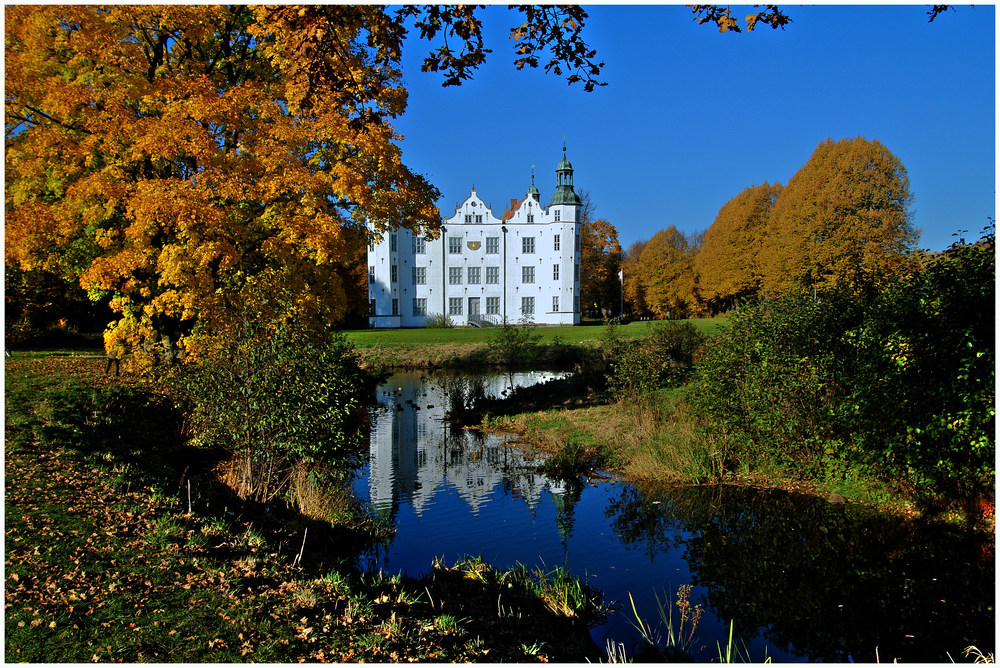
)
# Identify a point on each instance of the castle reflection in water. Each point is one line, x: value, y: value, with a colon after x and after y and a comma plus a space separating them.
x: 415, y: 454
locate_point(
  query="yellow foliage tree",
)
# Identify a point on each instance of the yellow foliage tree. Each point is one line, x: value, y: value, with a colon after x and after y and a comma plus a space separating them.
x: 599, y: 264
x: 843, y: 217
x: 665, y: 274
x: 728, y: 263
x: 635, y: 295
x: 180, y: 160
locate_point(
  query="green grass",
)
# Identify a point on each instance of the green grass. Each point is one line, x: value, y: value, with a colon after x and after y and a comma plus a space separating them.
x: 472, y: 335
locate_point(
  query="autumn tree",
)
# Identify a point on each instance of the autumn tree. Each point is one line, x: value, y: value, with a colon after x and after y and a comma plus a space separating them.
x: 635, y: 294
x: 728, y: 263
x: 770, y: 15
x: 179, y: 160
x: 600, y: 261
x: 665, y: 273
x: 843, y: 217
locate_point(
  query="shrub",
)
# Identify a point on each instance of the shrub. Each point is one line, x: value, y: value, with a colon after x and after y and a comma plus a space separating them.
x: 898, y: 381
x: 638, y: 368
x: 923, y: 378
x: 511, y: 344
x: 275, y: 396
x: 439, y: 321
x: 769, y: 385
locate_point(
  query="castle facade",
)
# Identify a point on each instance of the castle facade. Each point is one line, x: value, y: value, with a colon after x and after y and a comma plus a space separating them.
x: 483, y: 270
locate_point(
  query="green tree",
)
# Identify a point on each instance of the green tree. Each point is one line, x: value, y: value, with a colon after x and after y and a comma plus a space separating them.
x: 843, y: 218
x: 728, y: 263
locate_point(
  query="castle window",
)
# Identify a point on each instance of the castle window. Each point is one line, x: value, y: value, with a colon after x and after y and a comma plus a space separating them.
x: 371, y: 274
x: 393, y: 245
x: 492, y: 275
x: 527, y: 306
x: 493, y: 245
x: 531, y: 217
x: 393, y: 274
x: 454, y: 306
x: 479, y: 219
x: 419, y: 245
x: 474, y: 273
x: 492, y: 305
x: 555, y: 239
x: 555, y: 272
x: 419, y: 306
x: 371, y: 307
x: 528, y: 244
x: 454, y: 245
x: 555, y: 304
x: 454, y: 275
x: 395, y: 307
x: 527, y: 274
x: 468, y: 218
x: 420, y: 275
x: 558, y: 215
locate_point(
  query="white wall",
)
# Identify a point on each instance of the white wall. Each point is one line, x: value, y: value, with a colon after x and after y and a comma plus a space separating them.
x: 510, y: 290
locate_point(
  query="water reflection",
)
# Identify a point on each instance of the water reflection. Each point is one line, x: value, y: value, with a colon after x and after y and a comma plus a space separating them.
x: 801, y: 580
x: 415, y: 453
x: 826, y: 583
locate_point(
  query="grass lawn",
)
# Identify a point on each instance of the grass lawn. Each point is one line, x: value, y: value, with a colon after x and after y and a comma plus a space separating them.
x: 473, y: 335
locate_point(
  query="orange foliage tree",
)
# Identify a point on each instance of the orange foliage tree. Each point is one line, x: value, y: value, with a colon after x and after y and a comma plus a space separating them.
x: 665, y: 275
x: 843, y: 218
x: 178, y: 161
x: 635, y: 294
x: 600, y: 260
x: 728, y: 263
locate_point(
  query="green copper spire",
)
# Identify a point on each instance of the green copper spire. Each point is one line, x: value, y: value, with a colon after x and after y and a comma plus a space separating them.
x: 564, y: 193
x: 533, y: 191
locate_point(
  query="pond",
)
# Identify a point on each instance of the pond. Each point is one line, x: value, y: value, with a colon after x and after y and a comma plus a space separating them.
x: 798, y: 578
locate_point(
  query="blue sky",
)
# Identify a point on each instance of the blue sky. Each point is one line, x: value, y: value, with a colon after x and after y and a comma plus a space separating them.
x: 690, y: 117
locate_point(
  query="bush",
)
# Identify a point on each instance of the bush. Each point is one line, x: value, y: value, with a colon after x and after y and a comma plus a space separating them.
x: 511, y: 344
x: 769, y: 385
x: 439, y: 321
x: 276, y: 396
x: 923, y: 378
x: 638, y: 368
x: 898, y: 381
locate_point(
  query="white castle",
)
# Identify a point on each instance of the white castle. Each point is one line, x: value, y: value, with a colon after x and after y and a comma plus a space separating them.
x: 484, y: 270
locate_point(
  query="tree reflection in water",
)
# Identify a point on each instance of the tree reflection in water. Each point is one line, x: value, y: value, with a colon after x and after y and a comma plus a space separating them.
x: 822, y: 582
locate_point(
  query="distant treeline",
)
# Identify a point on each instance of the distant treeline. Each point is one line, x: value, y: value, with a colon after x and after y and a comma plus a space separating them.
x: 843, y: 219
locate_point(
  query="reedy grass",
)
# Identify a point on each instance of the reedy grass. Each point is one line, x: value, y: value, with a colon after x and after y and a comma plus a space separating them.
x: 664, y: 638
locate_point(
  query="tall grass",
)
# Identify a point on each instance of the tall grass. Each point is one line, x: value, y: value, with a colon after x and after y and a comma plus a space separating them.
x: 664, y: 637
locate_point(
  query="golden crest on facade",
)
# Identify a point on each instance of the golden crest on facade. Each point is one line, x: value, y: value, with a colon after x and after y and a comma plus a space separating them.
x: 474, y: 245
